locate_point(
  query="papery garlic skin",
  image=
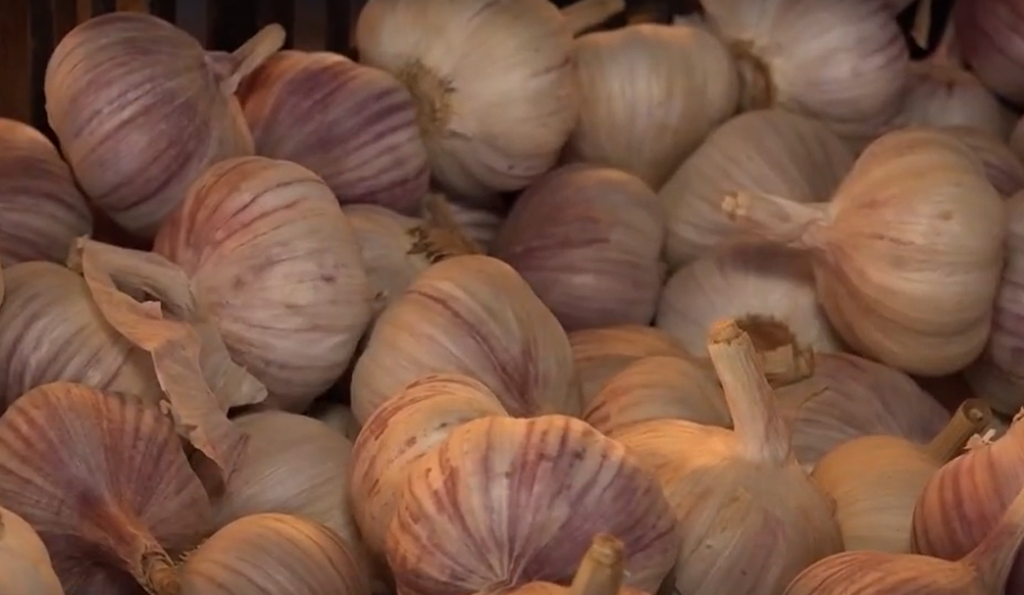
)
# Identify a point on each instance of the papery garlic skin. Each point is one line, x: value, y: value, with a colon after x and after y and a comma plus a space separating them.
x: 43, y: 210
x: 275, y: 263
x: 351, y: 125
x: 747, y: 281
x: 25, y: 567
x: 942, y: 95
x: 772, y: 151
x: 386, y: 241
x: 650, y: 94
x: 492, y: 116
x: 471, y: 315
x: 1004, y: 169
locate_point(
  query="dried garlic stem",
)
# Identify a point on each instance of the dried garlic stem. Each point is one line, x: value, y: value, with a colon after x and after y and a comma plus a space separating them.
x: 602, y: 570
x: 994, y: 557
x: 588, y: 13
x: 783, y: 360
x: 239, y: 64
x: 973, y: 417
x: 761, y: 432
x: 921, y: 30
x: 798, y: 225
x: 159, y: 576
x: 441, y: 237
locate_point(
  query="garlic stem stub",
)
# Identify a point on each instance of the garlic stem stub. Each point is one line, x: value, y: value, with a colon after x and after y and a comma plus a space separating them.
x: 128, y: 160
x: 43, y: 209
x: 25, y: 565
x: 352, y: 125
x: 600, y: 573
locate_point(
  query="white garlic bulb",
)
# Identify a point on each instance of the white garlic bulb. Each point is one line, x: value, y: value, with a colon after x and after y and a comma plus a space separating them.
x: 771, y: 150
x: 25, y: 566
x: 941, y: 93
x: 649, y: 95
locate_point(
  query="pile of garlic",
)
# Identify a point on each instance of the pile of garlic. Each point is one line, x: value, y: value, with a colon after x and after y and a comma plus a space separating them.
x: 522, y: 301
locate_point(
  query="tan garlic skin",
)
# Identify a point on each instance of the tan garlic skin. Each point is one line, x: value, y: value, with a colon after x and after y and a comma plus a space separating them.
x: 43, y: 210
x: 272, y: 554
x: 1004, y: 169
x: 507, y: 501
x: 386, y: 241
x: 275, y: 263
x: 493, y: 118
x: 25, y: 566
x: 588, y: 240
x: 352, y: 125
x: 649, y: 95
x: 110, y: 84
x: 745, y: 281
x: 773, y: 151
x: 943, y: 94
x: 104, y: 482
x: 471, y: 315
x: 601, y: 353
x: 51, y: 330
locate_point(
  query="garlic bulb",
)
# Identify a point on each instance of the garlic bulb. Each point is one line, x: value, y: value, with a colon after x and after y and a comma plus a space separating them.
x: 853, y: 78
x: 749, y: 283
x: 25, y: 565
x: 472, y: 315
x: 272, y: 554
x: 104, y: 482
x: 338, y: 417
x: 43, y: 210
x: 771, y: 151
x: 749, y: 516
x: 649, y: 95
x: 588, y: 241
x: 275, y: 263
x: 908, y: 253
x: 876, y: 480
x: 1004, y: 169
x: 982, y: 571
x: 387, y: 242
x: 658, y: 388
x: 353, y: 126
x: 599, y: 354
x: 493, y: 118
x: 152, y: 73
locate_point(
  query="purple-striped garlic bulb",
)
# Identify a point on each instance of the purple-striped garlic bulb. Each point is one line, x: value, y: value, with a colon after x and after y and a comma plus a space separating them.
x: 43, y: 210
x: 141, y: 109
x: 275, y: 263
x: 352, y: 125
x: 588, y: 240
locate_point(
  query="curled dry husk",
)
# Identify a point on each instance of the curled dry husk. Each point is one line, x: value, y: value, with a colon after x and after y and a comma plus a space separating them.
x: 1004, y: 168
x: 112, y: 86
x: 493, y: 118
x: 908, y: 253
x: 452, y: 483
x: 588, y: 240
x: 734, y: 492
x: 474, y: 315
x: 25, y: 565
x: 752, y: 282
x: 649, y: 95
x: 352, y: 125
x: 772, y: 151
x: 104, y: 482
x: 275, y: 263
x: 43, y: 210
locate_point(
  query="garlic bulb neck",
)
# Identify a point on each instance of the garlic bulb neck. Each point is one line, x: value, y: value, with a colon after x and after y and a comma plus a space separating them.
x: 973, y: 417
x: 587, y: 13
x: 762, y: 433
x: 783, y: 221
x: 756, y: 91
x: 160, y: 577
x: 783, y: 360
x: 603, y: 568
x: 441, y: 237
x: 432, y: 94
x: 235, y: 66
x: 994, y: 557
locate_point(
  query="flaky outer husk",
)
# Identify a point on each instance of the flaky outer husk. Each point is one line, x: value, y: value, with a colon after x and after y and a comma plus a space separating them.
x: 275, y: 263
x: 492, y: 117
x: 43, y: 209
x: 352, y: 125
x: 472, y: 315
x: 105, y: 483
x: 531, y: 493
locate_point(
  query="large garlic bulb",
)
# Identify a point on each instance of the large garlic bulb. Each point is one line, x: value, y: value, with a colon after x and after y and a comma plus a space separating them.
x: 650, y: 94
x: 772, y: 151
x: 907, y: 254
x: 493, y: 115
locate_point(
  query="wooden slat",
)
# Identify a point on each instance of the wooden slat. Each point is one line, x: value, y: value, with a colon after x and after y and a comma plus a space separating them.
x: 41, y: 29
x: 341, y: 20
x: 310, y: 30
x: 15, y: 61
x: 132, y: 5
x: 99, y: 7
x: 230, y: 23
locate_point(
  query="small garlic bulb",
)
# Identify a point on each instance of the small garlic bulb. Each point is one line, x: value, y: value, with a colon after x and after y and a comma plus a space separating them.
x: 353, y: 126
x: 43, y: 210
x: 908, y: 253
x: 877, y: 480
x: 588, y: 240
x: 114, y: 85
x: 387, y: 242
x: 25, y: 567
x: 601, y: 353
x: 275, y: 263
x: 772, y: 151
x: 492, y: 116
x: 472, y: 315
x: 272, y: 554
x: 649, y: 95
x: 1004, y: 169
x: 748, y: 283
